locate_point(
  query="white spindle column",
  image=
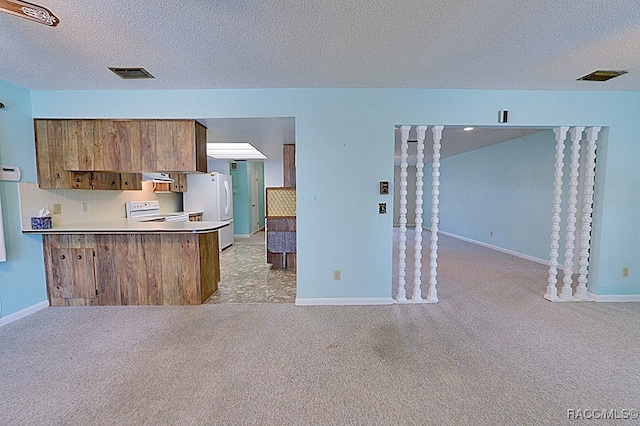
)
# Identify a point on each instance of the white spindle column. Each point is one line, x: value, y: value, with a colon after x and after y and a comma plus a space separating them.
x: 402, y: 247
x: 587, y: 210
x: 417, y: 274
x: 574, y: 173
x: 552, y: 291
x: 435, y: 209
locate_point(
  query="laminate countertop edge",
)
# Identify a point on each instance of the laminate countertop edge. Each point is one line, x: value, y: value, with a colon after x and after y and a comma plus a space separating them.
x: 129, y: 226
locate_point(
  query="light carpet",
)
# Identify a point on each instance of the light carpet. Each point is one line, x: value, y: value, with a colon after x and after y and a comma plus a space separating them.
x: 492, y: 352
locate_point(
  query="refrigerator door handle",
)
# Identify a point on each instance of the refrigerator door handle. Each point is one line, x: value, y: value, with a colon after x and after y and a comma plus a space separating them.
x: 226, y: 198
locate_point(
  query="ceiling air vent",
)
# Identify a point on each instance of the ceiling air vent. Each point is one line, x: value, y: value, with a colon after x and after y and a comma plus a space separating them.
x: 131, y: 73
x: 602, y: 75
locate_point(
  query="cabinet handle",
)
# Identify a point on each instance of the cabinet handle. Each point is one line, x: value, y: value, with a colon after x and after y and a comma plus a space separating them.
x: 79, y: 257
x: 63, y: 257
x: 78, y: 180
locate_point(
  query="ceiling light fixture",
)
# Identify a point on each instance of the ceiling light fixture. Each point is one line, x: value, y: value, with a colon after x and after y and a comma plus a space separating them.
x: 468, y: 129
x: 234, y: 151
x: 602, y: 75
x: 29, y: 11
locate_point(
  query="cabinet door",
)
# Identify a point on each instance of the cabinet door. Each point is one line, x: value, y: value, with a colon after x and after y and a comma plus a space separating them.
x: 106, y: 181
x: 78, y: 144
x: 179, y: 183
x: 72, y: 273
x: 131, y: 181
x: 49, y: 155
x: 80, y: 180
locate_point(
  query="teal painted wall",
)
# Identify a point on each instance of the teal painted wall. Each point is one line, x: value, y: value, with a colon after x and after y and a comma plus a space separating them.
x: 259, y: 167
x: 506, y: 188
x: 242, y: 206
x: 22, y: 282
x: 344, y: 146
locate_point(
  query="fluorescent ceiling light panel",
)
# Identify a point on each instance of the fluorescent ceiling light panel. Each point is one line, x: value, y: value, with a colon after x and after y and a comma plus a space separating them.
x: 234, y: 151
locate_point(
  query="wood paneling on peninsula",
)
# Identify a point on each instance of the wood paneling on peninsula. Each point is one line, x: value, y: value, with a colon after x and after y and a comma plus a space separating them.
x: 131, y: 269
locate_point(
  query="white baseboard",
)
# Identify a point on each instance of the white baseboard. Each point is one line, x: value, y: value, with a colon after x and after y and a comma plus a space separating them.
x: 343, y: 301
x: 615, y: 297
x: 500, y: 249
x: 23, y: 313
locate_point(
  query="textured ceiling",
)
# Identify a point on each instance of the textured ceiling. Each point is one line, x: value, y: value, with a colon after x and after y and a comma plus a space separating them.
x: 198, y: 44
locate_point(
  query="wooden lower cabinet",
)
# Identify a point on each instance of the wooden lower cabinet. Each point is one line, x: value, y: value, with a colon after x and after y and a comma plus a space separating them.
x: 74, y: 274
x: 131, y: 269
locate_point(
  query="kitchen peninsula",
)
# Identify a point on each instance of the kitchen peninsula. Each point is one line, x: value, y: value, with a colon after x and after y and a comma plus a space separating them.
x: 127, y: 262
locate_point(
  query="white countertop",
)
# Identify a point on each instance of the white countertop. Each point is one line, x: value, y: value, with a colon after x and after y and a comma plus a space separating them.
x: 129, y: 226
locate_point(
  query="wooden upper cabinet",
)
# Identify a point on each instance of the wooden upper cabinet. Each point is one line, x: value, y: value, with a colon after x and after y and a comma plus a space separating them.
x: 61, y: 152
x: 289, y: 165
x: 125, y: 145
x: 111, y: 154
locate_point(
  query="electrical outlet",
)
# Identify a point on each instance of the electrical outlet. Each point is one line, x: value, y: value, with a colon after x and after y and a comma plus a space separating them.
x: 625, y: 272
x: 336, y: 274
x: 57, y: 209
x: 491, y: 233
x: 85, y: 207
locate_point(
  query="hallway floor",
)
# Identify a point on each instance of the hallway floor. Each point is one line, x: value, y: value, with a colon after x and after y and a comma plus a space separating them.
x: 245, y: 277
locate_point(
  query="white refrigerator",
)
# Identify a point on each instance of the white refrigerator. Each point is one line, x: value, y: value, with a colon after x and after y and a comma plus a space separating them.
x: 212, y: 194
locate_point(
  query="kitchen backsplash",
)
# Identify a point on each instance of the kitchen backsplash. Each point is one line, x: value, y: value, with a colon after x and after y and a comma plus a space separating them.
x: 79, y: 205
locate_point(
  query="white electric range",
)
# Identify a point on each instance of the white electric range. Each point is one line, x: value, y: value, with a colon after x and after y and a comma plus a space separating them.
x: 149, y: 211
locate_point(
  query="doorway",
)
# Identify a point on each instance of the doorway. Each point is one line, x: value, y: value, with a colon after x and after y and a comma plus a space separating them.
x: 255, y: 200
x: 496, y: 190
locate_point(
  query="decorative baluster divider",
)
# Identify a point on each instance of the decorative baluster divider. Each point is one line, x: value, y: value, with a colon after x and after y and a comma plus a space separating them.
x: 417, y: 274
x: 574, y: 173
x: 435, y: 209
x: 587, y: 210
x: 552, y: 291
x: 401, y: 297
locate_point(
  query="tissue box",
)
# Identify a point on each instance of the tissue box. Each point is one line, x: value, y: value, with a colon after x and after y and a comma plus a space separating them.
x: 41, y: 222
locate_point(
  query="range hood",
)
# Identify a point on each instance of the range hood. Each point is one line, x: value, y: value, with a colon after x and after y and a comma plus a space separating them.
x: 157, y: 177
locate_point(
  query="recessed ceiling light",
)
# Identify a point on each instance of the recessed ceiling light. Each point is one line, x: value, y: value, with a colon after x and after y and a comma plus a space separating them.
x: 29, y: 11
x: 131, y: 73
x: 468, y: 129
x: 234, y: 151
x: 602, y: 75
